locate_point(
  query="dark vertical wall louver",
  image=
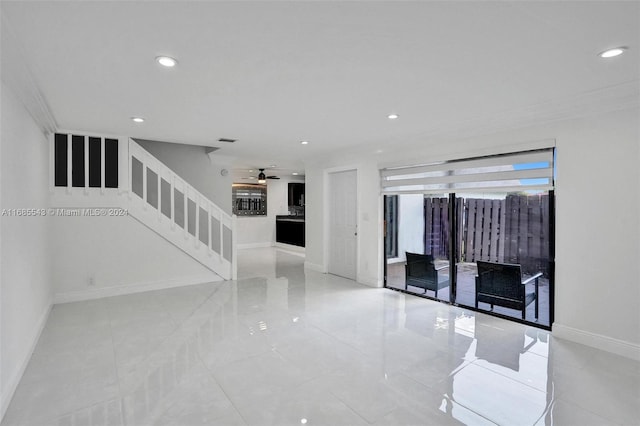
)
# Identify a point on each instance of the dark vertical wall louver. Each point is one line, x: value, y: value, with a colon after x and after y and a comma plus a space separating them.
x: 60, y: 158
x: 77, y: 161
x: 95, y: 162
x: 88, y: 158
x: 111, y: 163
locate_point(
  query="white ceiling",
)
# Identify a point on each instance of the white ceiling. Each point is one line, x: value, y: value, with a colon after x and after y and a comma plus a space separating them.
x: 271, y: 74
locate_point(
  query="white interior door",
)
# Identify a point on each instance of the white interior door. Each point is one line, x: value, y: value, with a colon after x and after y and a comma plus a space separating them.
x: 343, y: 224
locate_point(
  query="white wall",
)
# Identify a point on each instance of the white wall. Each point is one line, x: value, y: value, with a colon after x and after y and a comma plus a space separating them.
x: 104, y: 256
x: 260, y: 231
x: 369, y: 220
x: 597, y: 250
x: 25, y: 284
x: 197, y: 168
x: 2, y: 385
x: 598, y: 227
x: 314, y: 219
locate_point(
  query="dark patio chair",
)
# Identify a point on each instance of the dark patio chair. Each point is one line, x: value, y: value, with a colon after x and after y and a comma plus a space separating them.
x: 502, y: 284
x: 421, y: 272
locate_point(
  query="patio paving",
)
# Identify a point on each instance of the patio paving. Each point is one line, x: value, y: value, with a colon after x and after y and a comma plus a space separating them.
x: 466, y: 291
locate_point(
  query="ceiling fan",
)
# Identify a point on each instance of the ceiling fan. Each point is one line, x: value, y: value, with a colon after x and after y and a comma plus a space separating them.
x: 262, y: 178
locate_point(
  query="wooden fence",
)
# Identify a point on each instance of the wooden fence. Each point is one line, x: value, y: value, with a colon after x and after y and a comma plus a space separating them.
x: 511, y: 230
x: 436, y: 234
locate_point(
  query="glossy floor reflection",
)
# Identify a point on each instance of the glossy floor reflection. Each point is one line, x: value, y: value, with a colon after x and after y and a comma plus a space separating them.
x: 284, y: 346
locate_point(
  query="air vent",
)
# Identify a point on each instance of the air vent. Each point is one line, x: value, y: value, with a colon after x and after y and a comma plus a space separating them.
x: 227, y: 140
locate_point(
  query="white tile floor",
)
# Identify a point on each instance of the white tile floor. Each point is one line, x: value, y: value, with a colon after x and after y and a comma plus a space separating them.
x: 287, y: 347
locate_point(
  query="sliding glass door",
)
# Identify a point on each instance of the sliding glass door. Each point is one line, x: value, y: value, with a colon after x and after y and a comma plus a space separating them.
x: 513, y: 230
x: 476, y: 232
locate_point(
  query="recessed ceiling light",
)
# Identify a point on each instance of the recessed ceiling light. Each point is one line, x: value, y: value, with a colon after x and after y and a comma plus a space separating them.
x: 250, y: 170
x: 392, y: 116
x: 273, y: 165
x: 295, y: 173
x: 138, y: 119
x: 166, y: 61
x: 304, y: 142
x: 612, y: 53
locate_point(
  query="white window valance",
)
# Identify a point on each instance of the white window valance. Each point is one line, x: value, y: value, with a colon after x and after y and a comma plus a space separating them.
x: 520, y: 171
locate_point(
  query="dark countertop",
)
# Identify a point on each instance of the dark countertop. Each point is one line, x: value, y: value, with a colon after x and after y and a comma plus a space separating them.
x: 290, y: 218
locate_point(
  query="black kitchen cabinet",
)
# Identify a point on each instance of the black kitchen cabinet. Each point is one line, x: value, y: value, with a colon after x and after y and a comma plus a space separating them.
x: 296, y: 194
x: 290, y: 230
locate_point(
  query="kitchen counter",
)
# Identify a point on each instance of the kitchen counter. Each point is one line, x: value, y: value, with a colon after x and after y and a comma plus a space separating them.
x: 291, y: 218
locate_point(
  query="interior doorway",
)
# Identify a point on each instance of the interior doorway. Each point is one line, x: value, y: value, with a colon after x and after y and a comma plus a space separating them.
x: 343, y: 232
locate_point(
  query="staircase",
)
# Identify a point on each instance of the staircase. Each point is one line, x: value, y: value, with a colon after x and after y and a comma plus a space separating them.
x: 101, y: 175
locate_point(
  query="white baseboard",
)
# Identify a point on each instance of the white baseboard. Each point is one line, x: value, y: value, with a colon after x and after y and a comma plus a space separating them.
x: 290, y: 247
x: 598, y: 341
x: 254, y: 245
x: 99, y: 293
x: 14, y: 380
x: 314, y: 267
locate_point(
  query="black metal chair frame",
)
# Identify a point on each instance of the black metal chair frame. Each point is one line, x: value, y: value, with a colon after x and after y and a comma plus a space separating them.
x: 502, y: 284
x: 421, y: 272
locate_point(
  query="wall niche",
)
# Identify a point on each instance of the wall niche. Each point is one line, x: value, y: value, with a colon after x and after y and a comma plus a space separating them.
x: 249, y: 199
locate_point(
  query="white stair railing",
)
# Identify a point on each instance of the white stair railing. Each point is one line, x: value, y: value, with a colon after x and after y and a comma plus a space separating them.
x: 177, y: 211
x: 150, y: 192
